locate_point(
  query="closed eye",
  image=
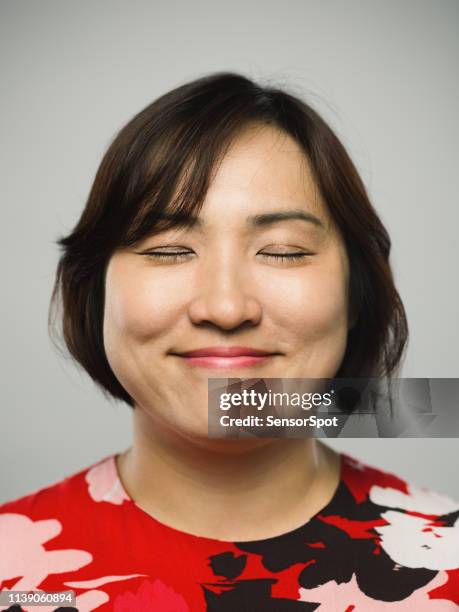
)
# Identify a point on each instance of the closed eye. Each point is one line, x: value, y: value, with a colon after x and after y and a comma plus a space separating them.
x: 175, y: 256
x: 171, y: 256
x: 286, y: 256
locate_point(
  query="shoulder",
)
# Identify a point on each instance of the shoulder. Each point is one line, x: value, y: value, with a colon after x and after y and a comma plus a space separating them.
x: 95, y: 482
x: 387, y: 489
x: 416, y: 526
x: 50, y: 534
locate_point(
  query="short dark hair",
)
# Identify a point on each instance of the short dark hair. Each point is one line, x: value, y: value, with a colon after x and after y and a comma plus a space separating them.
x: 164, y: 159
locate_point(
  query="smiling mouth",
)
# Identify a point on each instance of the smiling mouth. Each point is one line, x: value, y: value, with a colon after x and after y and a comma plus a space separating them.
x: 243, y: 361
x: 226, y: 357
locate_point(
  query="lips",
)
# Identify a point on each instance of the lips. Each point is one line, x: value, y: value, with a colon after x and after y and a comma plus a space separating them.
x: 225, y: 351
x: 226, y: 356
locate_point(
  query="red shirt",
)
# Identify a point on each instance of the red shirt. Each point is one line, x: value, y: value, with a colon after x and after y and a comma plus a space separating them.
x: 380, y: 544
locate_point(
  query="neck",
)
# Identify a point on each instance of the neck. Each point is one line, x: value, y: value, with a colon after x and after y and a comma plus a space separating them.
x: 233, y: 490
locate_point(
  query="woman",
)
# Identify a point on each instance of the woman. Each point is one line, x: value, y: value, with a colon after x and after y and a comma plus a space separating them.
x: 228, y: 234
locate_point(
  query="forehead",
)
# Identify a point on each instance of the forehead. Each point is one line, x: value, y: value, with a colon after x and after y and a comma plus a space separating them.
x: 264, y: 169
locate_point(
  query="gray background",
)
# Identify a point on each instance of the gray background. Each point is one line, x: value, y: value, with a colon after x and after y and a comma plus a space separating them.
x: 382, y: 73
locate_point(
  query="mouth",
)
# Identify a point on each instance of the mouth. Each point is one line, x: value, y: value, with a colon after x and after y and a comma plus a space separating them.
x: 224, y: 357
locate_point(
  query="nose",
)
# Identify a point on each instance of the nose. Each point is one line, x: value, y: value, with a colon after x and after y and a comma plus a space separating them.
x: 225, y: 296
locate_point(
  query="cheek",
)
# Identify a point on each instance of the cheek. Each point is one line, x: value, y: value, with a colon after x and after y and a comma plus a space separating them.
x: 136, y: 309
x: 312, y: 303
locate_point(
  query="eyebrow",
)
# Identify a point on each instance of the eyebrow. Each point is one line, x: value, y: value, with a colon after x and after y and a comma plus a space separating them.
x: 283, y: 215
x: 261, y: 220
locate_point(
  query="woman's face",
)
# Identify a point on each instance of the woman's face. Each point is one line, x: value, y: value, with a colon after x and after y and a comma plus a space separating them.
x: 238, y: 277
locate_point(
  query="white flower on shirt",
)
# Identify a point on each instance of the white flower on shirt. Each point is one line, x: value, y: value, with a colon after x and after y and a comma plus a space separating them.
x: 415, y: 541
x: 418, y: 499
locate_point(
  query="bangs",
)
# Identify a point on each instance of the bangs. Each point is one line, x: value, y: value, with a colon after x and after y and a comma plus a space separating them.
x: 171, y: 194
x: 171, y: 166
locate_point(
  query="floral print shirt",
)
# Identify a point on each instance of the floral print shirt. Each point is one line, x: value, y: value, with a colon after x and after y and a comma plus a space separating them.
x: 380, y: 544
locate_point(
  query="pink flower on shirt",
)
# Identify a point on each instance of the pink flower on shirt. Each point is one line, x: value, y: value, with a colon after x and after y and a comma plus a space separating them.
x: 24, y: 557
x: 348, y: 596
x: 151, y: 597
x: 104, y: 484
